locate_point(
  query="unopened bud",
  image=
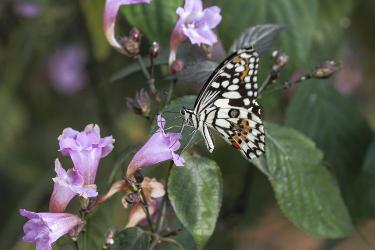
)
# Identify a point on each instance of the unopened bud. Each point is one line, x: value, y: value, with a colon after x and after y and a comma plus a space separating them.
x: 130, y: 199
x: 325, y: 69
x: 135, y: 35
x: 141, y: 104
x: 154, y: 50
x: 109, y: 238
x: 177, y: 66
x: 280, y: 59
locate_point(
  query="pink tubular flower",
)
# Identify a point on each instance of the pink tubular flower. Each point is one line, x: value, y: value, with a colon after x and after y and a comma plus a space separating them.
x: 196, y: 24
x: 85, y: 148
x: 160, y: 147
x: 109, y: 19
x: 45, y: 228
x: 154, y: 192
x: 67, y: 185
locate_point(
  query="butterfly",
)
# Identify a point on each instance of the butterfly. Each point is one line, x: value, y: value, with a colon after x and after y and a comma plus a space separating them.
x: 227, y: 104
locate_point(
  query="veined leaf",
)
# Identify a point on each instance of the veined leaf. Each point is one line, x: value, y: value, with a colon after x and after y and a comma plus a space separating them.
x: 298, y: 16
x: 335, y: 124
x: 132, y: 238
x: 261, y: 37
x: 305, y: 190
x: 195, y: 191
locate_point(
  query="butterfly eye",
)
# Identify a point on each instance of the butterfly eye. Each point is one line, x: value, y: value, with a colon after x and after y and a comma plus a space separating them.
x: 182, y: 111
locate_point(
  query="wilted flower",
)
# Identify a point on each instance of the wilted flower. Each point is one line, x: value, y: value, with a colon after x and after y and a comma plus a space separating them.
x: 141, y: 104
x: 118, y: 186
x: 325, y: 69
x: 45, y: 228
x: 131, y: 43
x: 160, y: 147
x: 177, y: 66
x: 67, y: 69
x: 67, y: 185
x: 86, y: 148
x: 109, y: 20
x: 153, y: 191
x: 27, y: 9
x: 196, y: 24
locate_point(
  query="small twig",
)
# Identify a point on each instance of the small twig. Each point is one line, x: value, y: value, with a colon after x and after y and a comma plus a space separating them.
x: 289, y: 83
x: 75, y: 244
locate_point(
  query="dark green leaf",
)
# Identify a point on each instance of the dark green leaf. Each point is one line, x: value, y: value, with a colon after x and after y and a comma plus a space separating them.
x: 334, y: 123
x: 132, y: 238
x: 366, y: 186
x: 93, y: 11
x: 197, y: 72
x: 195, y: 191
x: 305, y: 190
x: 171, y: 113
x: 156, y: 20
x: 299, y: 16
x: 261, y: 37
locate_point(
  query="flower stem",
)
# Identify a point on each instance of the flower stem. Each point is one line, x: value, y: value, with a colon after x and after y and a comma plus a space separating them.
x: 149, y: 77
x: 289, y: 83
x: 160, y: 222
x: 171, y: 90
x: 145, y: 208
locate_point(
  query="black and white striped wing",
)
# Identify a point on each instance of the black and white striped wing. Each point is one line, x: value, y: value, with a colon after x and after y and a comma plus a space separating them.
x: 228, y: 103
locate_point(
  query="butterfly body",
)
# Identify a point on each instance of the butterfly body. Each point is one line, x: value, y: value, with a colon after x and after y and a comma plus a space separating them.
x: 227, y: 104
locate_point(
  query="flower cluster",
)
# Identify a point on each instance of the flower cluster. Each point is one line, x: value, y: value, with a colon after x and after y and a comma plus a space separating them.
x: 195, y: 23
x: 85, y: 148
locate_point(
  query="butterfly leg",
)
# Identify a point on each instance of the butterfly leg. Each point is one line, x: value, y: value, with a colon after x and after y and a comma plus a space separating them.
x: 208, y: 138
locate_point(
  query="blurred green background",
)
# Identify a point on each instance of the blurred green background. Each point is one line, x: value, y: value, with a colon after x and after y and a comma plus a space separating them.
x: 58, y: 71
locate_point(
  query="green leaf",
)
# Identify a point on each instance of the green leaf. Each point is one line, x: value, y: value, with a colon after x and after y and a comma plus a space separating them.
x: 132, y: 238
x: 171, y: 112
x: 93, y: 10
x: 299, y: 16
x: 305, y: 190
x: 261, y: 37
x: 195, y: 191
x: 365, y: 185
x: 156, y: 20
x: 334, y: 123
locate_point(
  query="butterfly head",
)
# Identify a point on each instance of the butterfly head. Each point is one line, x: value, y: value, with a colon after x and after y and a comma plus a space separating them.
x: 188, y: 115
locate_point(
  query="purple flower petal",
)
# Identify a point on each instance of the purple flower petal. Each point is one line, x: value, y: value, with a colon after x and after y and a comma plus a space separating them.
x: 111, y: 9
x: 68, y: 184
x: 45, y: 228
x: 196, y: 24
x: 160, y: 147
x: 85, y: 148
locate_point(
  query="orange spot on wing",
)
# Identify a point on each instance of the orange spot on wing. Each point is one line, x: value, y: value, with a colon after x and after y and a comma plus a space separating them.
x: 245, y: 72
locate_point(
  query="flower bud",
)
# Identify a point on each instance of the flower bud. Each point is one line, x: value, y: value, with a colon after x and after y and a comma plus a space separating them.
x: 110, y: 238
x: 138, y: 176
x: 130, y: 46
x: 154, y: 50
x: 280, y: 59
x: 325, y: 69
x: 141, y: 104
x: 177, y: 66
x: 135, y: 35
